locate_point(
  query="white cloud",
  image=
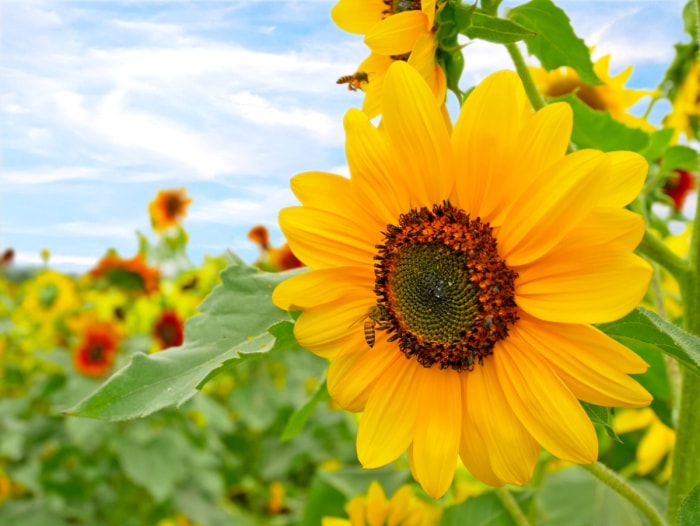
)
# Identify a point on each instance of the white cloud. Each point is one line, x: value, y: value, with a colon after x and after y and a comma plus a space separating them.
x: 80, y: 262
x: 77, y: 229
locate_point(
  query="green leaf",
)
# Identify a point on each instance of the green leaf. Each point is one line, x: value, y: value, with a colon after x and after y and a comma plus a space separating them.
x: 645, y: 328
x: 597, y: 129
x: 298, y: 419
x: 496, y: 30
x: 658, y: 144
x: 601, y: 416
x: 679, y: 157
x: 556, y: 43
x: 233, y: 326
x: 483, y: 510
x: 689, y: 514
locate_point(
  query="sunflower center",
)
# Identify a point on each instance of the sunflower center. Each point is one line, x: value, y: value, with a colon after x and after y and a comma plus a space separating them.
x: 399, y: 6
x: 95, y: 352
x: 444, y: 293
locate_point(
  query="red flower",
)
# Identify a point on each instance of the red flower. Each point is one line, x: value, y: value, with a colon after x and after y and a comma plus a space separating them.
x: 168, y: 208
x: 97, y: 350
x: 169, y: 330
x: 679, y: 186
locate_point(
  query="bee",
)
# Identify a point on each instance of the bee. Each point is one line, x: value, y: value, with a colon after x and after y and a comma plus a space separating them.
x: 353, y: 81
x: 376, y: 316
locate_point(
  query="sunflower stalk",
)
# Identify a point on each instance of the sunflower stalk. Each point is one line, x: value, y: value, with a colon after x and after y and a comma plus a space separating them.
x: 686, y: 460
x: 614, y: 481
x: 511, y: 505
x: 524, y: 73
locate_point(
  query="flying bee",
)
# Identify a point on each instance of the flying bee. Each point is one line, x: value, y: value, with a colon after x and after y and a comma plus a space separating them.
x: 353, y: 81
x: 376, y: 316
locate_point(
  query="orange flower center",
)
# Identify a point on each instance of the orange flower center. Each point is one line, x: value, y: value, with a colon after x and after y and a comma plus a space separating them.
x: 442, y: 290
x: 399, y: 6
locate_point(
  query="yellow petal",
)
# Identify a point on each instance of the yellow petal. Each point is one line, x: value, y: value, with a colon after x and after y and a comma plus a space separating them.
x: 627, y: 421
x: 357, y: 16
x: 557, y: 201
x: 628, y: 171
x: 377, y: 505
x: 543, y: 403
x: 352, y: 376
x: 396, y: 34
x: 484, y: 140
x: 591, y: 364
x: 371, y: 166
x: 323, y: 239
x: 493, y: 436
x: 323, y: 328
x: 388, y: 422
x: 418, y: 136
x: 602, y: 227
x: 438, y: 429
x: 313, y: 189
x: 399, y: 506
x: 583, y: 286
x: 655, y: 444
x: 322, y: 286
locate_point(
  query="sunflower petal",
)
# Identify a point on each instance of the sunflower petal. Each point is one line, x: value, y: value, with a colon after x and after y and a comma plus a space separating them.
x: 322, y: 286
x: 388, y: 422
x: 419, y: 137
x: 484, y: 139
x: 357, y: 16
x: 543, y: 403
x: 354, y: 372
x: 583, y: 286
x: 438, y: 429
x: 590, y: 363
x: 628, y: 171
x: 396, y: 34
x: 492, y: 430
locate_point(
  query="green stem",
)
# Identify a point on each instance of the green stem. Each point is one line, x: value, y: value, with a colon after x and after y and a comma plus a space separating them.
x: 686, y: 456
x: 622, y: 487
x: 532, y: 93
x: 655, y: 249
x: 512, y: 506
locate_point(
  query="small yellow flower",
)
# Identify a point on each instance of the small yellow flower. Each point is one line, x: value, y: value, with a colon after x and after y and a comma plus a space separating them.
x: 610, y: 96
x: 477, y: 260
x: 373, y: 509
x: 658, y: 441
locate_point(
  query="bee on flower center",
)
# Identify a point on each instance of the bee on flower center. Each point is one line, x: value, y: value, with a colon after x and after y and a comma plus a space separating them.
x: 354, y: 81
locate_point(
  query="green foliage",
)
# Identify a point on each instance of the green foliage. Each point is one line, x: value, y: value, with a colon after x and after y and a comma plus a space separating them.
x: 496, y: 30
x: 689, y: 514
x: 555, y: 43
x: 234, y: 325
x: 483, y: 510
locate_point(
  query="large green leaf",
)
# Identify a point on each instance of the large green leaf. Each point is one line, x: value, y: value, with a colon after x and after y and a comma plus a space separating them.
x: 234, y: 325
x: 556, y: 43
x: 689, y: 514
x: 643, y: 328
x: 484, y: 510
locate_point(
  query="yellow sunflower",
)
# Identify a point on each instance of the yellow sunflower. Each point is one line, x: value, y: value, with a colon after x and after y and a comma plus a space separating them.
x: 374, y: 509
x: 611, y: 95
x: 168, y: 208
x: 374, y: 69
x: 685, y: 105
x: 391, y: 27
x: 454, y: 278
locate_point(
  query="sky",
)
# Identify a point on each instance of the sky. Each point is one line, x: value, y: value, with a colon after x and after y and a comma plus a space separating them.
x: 103, y: 103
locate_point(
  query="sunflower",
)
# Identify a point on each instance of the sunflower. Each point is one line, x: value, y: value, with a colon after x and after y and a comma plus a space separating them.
x: 168, y: 330
x: 374, y: 509
x: 686, y: 106
x: 391, y: 27
x: 132, y: 275
x: 272, y: 259
x: 168, y: 208
x: 455, y: 277
x: 422, y: 58
x: 95, y: 353
x: 610, y: 96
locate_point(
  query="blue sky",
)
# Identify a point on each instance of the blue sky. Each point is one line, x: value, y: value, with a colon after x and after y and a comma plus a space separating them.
x: 103, y: 103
